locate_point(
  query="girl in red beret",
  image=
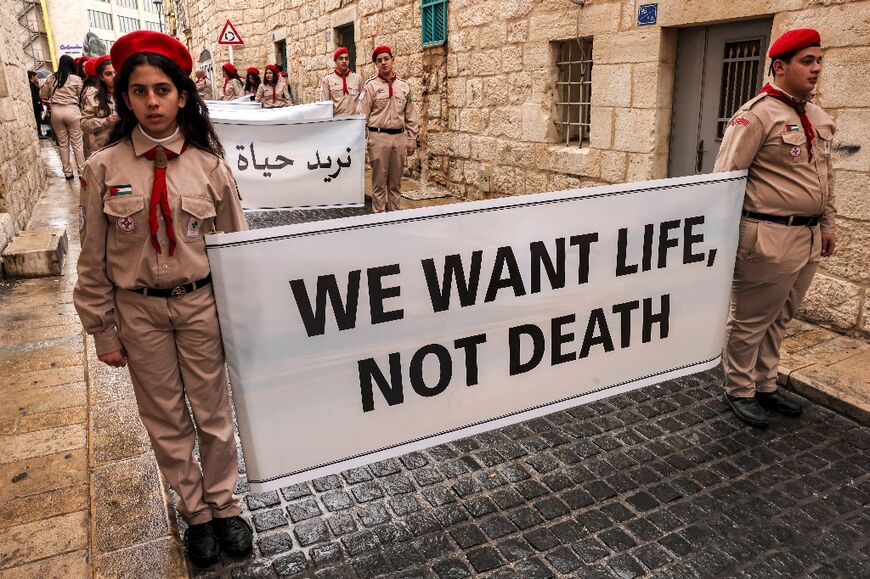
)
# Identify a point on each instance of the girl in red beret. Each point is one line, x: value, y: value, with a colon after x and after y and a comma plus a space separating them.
x: 144, y: 288
x: 252, y: 81
x: 273, y: 92
x: 233, y: 85
x: 97, y: 104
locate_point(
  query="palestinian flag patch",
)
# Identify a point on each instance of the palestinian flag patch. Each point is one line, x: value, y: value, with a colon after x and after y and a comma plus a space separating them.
x: 118, y: 190
x: 793, y: 128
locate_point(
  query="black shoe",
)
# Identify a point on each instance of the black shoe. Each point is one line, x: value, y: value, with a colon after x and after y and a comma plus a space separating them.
x: 202, y: 545
x: 779, y: 402
x: 68, y: 177
x: 234, y: 534
x: 748, y: 410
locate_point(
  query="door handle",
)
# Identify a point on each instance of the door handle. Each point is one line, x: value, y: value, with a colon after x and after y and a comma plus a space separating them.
x: 699, y: 156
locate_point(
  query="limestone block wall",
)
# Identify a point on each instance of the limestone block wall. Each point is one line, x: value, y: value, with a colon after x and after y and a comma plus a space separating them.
x: 22, y: 176
x: 486, y: 98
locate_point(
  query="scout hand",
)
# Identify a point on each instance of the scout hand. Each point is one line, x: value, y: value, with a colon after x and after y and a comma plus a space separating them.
x: 829, y: 243
x: 117, y: 359
x: 412, y: 146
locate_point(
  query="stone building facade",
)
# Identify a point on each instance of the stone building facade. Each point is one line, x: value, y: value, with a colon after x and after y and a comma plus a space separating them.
x: 489, y: 96
x: 22, y: 176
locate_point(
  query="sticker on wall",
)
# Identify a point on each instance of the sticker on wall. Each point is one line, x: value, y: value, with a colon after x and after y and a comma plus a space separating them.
x: 647, y: 14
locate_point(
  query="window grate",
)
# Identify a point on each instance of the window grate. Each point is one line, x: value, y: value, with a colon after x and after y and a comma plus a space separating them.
x: 741, y: 78
x: 126, y: 24
x: 434, y: 22
x: 128, y: 4
x: 99, y: 19
x: 574, y: 90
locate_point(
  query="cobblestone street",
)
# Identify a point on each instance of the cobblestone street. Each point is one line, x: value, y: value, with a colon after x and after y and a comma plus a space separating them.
x: 663, y: 481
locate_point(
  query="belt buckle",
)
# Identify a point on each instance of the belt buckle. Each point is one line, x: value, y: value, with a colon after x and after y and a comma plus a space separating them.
x: 790, y: 219
x: 178, y: 291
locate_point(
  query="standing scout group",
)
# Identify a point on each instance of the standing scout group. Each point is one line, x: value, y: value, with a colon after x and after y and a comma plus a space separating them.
x: 161, y: 183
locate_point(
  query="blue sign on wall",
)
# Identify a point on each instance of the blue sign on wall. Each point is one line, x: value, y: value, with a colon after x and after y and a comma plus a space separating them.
x: 647, y: 14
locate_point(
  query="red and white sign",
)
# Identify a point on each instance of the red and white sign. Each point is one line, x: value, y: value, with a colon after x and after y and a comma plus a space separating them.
x: 229, y: 35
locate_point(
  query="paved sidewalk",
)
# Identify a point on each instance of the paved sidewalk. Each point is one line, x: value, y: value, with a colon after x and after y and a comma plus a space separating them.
x: 658, y: 482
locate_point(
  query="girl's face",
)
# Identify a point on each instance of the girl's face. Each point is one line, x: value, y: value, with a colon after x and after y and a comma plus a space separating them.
x: 154, y: 99
x: 268, y: 75
x: 108, y: 77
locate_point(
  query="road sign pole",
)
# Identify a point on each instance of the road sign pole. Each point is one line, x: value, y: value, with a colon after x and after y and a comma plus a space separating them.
x: 231, y: 54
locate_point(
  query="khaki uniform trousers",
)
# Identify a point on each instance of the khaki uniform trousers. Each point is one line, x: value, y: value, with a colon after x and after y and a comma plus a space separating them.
x: 174, y: 349
x: 66, y: 124
x: 775, y: 266
x: 387, y: 154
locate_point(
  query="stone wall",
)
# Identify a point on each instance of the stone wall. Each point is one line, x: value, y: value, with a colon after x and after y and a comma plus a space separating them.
x: 22, y: 176
x: 487, y: 97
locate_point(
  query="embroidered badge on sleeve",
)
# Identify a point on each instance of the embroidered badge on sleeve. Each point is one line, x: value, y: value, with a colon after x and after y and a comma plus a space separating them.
x: 740, y: 122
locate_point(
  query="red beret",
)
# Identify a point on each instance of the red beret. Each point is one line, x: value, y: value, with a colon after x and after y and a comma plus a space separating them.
x: 273, y: 68
x: 228, y: 66
x: 380, y: 49
x: 338, y: 52
x: 253, y: 70
x: 794, y: 40
x: 150, y: 41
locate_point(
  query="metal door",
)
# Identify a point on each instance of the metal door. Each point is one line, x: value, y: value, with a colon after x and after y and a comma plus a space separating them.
x: 344, y: 36
x: 718, y: 69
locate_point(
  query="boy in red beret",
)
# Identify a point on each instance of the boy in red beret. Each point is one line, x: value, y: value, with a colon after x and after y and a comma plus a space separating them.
x: 144, y: 285
x: 391, y: 123
x: 342, y: 86
x: 788, y: 220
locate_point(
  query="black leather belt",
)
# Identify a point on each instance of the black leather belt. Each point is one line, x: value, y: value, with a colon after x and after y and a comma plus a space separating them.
x: 798, y: 220
x: 173, y: 292
x: 387, y: 131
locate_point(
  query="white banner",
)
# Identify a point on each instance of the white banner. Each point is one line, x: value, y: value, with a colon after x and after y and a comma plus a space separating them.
x: 295, y: 163
x: 254, y: 114
x: 354, y: 340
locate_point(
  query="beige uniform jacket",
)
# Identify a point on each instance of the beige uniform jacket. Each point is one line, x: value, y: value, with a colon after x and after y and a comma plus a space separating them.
x: 117, y: 250
x: 766, y: 137
x: 332, y: 88
x: 68, y: 94
x: 389, y: 113
x: 233, y: 90
x: 266, y: 91
x: 203, y: 87
x: 95, y: 126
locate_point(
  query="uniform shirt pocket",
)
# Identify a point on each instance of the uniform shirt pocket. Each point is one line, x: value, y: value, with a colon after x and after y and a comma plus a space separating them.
x: 197, y: 215
x: 127, y: 218
x: 794, y: 147
x: 826, y: 138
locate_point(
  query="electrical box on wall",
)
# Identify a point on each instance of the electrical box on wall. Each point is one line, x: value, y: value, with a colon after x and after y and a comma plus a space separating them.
x: 485, y: 179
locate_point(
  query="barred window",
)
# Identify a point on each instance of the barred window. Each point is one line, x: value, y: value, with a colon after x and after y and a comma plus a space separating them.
x: 108, y: 44
x: 574, y: 89
x: 127, y: 4
x: 99, y: 19
x: 155, y: 26
x: 742, y: 73
x: 128, y: 24
x: 149, y: 6
x: 433, y: 22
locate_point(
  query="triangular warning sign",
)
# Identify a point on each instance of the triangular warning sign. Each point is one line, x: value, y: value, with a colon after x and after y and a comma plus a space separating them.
x: 229, y: 35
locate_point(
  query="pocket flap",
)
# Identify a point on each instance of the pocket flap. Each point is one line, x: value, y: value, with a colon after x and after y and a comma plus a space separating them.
x: 123, y: 206
x: 199, y: 207
x: 825, y: 133
x: 795, y: 138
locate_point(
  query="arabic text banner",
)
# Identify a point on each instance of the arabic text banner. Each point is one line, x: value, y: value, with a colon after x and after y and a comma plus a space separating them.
x: 354, y: 340
x: 305, y: 163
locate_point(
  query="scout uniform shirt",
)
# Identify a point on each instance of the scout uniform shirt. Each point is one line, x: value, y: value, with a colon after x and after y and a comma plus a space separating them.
x: 68, y: 94
x: 332, y: 88
x: 272, y: 97
x: 233, y: 89
x: 95, y: 126
x: 766, y: 137
x: 384, y: 112
x: 117, y: 249
x: 203, y: 87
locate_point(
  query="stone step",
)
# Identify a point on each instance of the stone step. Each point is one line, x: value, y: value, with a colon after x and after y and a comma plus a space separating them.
x: 36, y: 253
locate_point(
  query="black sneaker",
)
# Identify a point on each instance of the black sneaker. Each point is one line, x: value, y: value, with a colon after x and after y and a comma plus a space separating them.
x: 779, y: 402
x: 235, y: 535
x: 202, y: 545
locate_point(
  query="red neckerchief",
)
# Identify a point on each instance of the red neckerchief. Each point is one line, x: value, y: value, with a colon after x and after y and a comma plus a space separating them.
x: 389, y: 82
x: 801, y: 109
x: 343, y: 79
x: 160, y: 196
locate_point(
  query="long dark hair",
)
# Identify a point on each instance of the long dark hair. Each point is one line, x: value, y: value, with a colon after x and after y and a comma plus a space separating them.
x: 192, y: 120
x: 104, y: 105
x: 65, y: 67
x: 252, y: 82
